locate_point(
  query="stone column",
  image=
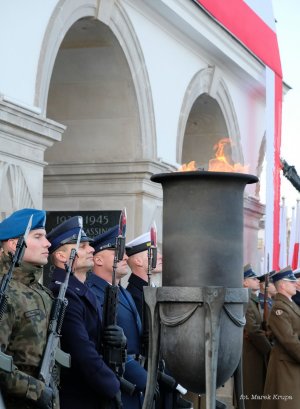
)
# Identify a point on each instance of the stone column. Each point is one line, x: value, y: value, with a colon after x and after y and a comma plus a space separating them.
x: 253, y: 213
x: 24, y: 137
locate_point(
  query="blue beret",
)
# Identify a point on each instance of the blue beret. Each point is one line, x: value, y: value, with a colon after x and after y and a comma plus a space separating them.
x: 66, y: 233
x: 248, y: 272
x: 106, y: 240
x: 284, y: 274
x: 15, y: 225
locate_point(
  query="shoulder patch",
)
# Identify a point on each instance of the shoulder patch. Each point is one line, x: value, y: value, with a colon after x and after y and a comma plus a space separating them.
x: 278, y: 312
x: 32, y: 313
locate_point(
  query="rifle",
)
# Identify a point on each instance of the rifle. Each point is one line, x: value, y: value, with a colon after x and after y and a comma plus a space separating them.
x: 52, y: 351
x: 169, y: 383
x: 115, y: 357
x: 266, y: 309
x: 152, y: 252
x: 6, y: 361
x: 152, y: 260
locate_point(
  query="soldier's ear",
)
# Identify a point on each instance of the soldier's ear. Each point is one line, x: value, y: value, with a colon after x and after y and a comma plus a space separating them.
x: 11, y: 245
x: 138, y: 261
x: 61, y: 256
x: 98, y: 260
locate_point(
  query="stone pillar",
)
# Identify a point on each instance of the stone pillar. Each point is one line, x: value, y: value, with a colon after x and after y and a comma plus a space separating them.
x: 253, y: 213
x: 24, y: 137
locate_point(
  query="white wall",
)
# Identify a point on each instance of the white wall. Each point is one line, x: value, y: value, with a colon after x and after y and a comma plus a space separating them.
x: 22, y: 29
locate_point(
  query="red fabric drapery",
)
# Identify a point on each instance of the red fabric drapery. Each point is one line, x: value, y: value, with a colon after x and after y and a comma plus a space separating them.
x: 253, y: 32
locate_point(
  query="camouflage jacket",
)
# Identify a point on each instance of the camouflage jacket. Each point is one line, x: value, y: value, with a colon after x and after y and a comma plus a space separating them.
x: 23, y: 330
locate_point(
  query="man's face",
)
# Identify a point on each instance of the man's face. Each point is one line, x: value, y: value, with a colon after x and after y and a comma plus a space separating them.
x: 252, y: 283
x: 37, y: 250
x: 84, y: 260
x: 107, y: 257
x: 143, y: 255
x: 271, y: 289
x: 290, y: 287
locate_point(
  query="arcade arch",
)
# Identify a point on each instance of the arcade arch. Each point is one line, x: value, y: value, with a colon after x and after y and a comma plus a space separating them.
x: 207, y: 115
x: 97, y: 85
x: 110, y: 55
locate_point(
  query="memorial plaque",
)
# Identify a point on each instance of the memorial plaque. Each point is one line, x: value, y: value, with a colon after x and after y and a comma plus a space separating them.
x: 94, y: 223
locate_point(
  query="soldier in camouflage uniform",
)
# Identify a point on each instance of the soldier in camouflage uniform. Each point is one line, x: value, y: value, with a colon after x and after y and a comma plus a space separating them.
x: 23, y: 329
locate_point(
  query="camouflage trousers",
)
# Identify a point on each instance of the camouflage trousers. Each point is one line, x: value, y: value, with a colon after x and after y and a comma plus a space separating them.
x: 17, y: 403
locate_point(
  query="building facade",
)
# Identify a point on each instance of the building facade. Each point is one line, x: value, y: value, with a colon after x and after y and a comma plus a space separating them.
x: 98, y: 95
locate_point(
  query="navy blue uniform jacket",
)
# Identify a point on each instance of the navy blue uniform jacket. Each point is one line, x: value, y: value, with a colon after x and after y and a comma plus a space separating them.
x: 135, y: 288
x: 128, y: 319
x: 89, y: 383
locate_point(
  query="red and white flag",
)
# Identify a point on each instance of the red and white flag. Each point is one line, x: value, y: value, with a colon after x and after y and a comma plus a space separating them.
x: 295, y: 259
x: 252, y: 23
x: 283, y: 236
x: 292, y: 236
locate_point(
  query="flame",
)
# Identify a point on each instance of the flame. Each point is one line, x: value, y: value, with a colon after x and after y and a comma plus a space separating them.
x: 186, y: 167
x: 218, y: 164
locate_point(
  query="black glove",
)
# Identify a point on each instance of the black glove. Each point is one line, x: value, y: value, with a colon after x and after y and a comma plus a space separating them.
x: 46, y: 400
x: 113, y: 335
x: 167, y: 382
x: 118, y: 400
x: 181, y: 403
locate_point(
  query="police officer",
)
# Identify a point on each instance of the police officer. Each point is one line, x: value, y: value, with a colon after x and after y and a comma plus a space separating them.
x: 89, y: 383
x: 283, y: 375
x: 256, y: 345
x: 23, y: 329
x: 127, y: 314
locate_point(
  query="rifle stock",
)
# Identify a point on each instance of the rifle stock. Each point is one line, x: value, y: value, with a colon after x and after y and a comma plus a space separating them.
x: 152, y: 261
x: 115, y: 357
x: 52, y: 351
x: 266, y: 309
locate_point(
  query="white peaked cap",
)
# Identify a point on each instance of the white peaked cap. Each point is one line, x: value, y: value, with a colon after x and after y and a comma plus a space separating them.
x: 139, y: 244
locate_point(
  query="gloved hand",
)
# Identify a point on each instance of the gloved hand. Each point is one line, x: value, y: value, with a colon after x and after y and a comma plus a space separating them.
x: 118, y: 400
x: 46, y: 400
x: 113, y: 335
x: 166, y: 381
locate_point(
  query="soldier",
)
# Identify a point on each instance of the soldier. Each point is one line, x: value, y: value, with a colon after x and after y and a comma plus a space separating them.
x: 127, y: 314
x: 89, y: 383
x: 137, y: 251
x: 271, y: 290
x: 296, y: 297
x: 23, y: 329
x: 256, y: 346
x: 283, y: 375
